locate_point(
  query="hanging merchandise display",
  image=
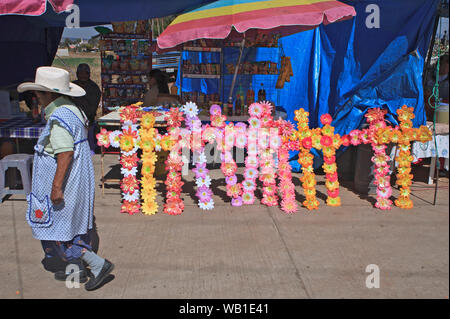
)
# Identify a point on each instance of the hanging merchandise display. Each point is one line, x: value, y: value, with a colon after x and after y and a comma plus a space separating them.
x: 126, y: 61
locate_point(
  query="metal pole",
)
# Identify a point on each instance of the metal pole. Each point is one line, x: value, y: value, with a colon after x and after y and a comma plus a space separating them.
x: 430, y: 49
x: 230, y: 97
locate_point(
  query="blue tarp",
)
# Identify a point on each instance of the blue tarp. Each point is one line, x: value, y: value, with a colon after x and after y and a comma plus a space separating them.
x: 345, y: 68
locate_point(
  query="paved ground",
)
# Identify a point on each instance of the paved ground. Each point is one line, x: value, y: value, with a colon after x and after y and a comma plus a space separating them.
x: 248, y: 252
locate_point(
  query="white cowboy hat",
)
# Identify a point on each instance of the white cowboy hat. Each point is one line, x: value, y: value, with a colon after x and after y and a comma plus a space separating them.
x: 51, y: 79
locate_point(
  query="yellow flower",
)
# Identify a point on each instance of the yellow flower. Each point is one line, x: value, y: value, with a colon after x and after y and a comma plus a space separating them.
x: 149, y: 158
x: 150, y: 208
x: 148, y: 134
x: 147, y: 120
x: 147, y: 145
x: 148, y: 183
x: 126, y: 142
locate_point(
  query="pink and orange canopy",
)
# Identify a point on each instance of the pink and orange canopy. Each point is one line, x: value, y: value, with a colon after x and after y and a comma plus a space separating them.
x: 216, y: 20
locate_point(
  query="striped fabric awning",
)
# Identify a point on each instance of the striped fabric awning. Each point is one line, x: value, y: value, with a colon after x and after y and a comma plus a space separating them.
x: 32, y: 7
x: 216, y: 20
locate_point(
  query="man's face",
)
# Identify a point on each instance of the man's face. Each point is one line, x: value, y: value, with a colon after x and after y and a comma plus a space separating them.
x: 83, y: 75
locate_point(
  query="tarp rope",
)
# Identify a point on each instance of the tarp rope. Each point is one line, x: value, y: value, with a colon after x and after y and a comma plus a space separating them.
x: 435, y: 95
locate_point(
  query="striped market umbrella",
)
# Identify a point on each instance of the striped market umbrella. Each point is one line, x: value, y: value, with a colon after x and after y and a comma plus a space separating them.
x: 217, y: 20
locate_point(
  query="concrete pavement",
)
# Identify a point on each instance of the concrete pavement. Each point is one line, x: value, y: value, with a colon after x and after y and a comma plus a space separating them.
x: 247, y: 252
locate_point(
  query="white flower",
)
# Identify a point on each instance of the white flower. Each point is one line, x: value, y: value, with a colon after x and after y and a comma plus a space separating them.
x: 158, y: 143
x: 203, y: 181
x: 129, y: 124
x: 131, y: 197
x: 201, y: 158
x: 114, y: 138
x: 126, y: 172
x: 190, y: 109
x: 134, y: 150
x: 206, y: 206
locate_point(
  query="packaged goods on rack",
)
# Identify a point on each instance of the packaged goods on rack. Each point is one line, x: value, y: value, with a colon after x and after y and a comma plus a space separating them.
x: 126, y: 63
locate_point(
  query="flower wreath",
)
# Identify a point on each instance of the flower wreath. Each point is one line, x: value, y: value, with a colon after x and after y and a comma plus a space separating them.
x: 202, y: 179
x: 129, y: 143
x: 308, y: 139
x: 172, y: 142
x: 329, y: 143
x: 148, y: 143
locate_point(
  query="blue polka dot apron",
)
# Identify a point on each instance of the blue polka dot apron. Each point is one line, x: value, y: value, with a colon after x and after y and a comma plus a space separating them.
x: 67, y: 221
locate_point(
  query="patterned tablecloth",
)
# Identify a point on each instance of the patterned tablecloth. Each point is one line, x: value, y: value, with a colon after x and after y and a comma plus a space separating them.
x: 428, y: 149
x: 20, y: 128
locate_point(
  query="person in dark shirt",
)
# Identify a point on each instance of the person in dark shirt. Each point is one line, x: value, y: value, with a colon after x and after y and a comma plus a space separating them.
x: 90, y: 102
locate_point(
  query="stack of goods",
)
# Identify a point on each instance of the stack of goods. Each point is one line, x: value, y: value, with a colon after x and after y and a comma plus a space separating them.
x: 202, y: 68
x: 126, y: 62
x: 253, y: 68
x: 260, y: 39
x: 201, y: 99
x: 203, y: 43
x: 285, y: 72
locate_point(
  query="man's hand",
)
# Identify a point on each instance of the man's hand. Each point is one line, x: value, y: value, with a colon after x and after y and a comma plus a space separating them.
x: 63, y: 162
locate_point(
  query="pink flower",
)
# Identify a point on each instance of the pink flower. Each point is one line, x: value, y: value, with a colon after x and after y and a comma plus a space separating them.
x: 231, y: 180
x: 249, y: 185
x: 255, y: 109
x: 270, y: 200
x: 248, y: 198
x: 354, y: 137
x: 383, y: 203
x: 288, y: 206
x: 384, y: 192
x: 103, y: 138
x: 204, y: 193
x: 251, y: 162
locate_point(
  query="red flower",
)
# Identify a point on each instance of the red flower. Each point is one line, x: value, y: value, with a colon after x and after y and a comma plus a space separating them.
x: 332, y: 177
x: 326, y: 119
x: 334, y: 193
x: 326, y: 140
x: 345, y: 140
x: 329, y: 160
x: 307, y: 142
x: 38, y: 213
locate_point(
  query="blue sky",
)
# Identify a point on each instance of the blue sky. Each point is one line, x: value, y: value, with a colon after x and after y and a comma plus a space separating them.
x: 84, y: 33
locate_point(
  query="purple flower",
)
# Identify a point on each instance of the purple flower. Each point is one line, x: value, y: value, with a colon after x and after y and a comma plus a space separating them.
x: 231, y: 180
x: 215, y: 109
x: 200, y: 170
x: 237, y: 201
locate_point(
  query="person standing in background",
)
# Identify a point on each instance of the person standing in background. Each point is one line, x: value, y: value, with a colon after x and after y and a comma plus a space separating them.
x: 90, y: 102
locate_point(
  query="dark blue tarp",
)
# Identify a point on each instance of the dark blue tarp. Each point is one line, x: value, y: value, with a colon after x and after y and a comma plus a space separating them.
x: 27, y: 42
x: 24, y: 46
x: 345, y: 68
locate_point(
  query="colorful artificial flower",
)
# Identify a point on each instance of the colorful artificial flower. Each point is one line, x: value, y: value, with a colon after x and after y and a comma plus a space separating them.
x: 255, y: 110
x: 114, y: 138
x: 130, y: 207
x: 103, y: 138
